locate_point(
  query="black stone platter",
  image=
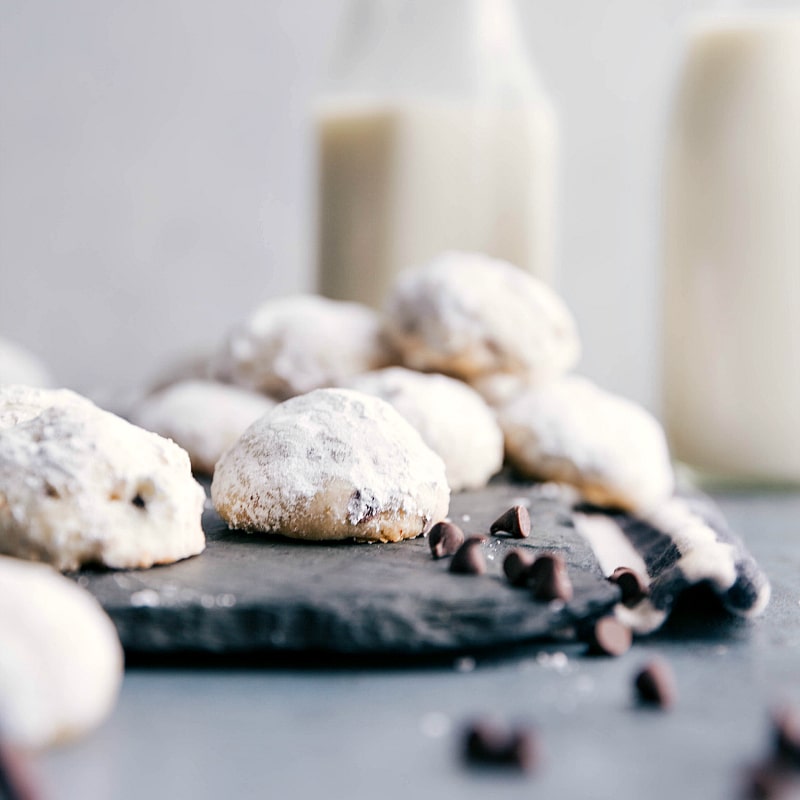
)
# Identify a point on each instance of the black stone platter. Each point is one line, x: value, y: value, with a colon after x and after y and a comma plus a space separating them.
x: 253, y: 593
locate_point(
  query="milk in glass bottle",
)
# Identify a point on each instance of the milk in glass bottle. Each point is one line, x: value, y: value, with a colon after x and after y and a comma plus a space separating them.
x: 435, y: 134
x: 732, y: 239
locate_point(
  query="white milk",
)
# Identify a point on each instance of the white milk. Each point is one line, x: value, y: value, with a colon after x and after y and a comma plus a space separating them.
x: 732, y: 281
x: 400, y: 183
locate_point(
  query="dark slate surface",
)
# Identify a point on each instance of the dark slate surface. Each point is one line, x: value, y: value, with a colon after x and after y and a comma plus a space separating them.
x: 249, y: 593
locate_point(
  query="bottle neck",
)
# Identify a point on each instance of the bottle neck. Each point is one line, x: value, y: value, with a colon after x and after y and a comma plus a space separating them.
x: 461, y: 49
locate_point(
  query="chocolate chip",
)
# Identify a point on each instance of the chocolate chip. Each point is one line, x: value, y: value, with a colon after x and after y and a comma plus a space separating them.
x: 786, y: 727
x: 444, y: 539
x: 609, y: 637
x: 655, y: 684
x: 516, y: 521
x: 489, y: 743
x: 632, y: 585
x: 15, y: 779
x: 771, y: 781
x: 516, y: 566
x: 548, y: 578
x: 468, y: 559
x: 138, y: 501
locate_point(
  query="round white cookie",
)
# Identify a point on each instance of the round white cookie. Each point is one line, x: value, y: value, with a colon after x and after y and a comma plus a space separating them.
x: 204, y: 417
x: 608, y: 447
x: 21, y: 403
x: 452, y: 419
x: 332, y: 464
x: 292, y: 345
x: 468, y: 315
x: 18, y: 366
x: 60, y: 659
x: 82, y: 486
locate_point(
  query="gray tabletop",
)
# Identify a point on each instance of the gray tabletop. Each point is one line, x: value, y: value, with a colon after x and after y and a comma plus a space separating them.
x: 383, y: 730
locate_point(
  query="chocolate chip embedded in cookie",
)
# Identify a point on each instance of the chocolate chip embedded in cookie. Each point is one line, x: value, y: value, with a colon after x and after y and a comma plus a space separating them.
x: 332, y: 464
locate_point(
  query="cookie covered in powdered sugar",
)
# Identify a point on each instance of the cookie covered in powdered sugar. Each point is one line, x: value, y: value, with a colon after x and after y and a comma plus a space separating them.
x: 452, y: 419
x: 18, y: 366
x: 21, y: 403
x: 468, y: 315
x: 292, y: 345
x: 608, y: 447
x: 204, y: 417
x: 60, y: 660
x: 332, y: 464
x: 79, y: 485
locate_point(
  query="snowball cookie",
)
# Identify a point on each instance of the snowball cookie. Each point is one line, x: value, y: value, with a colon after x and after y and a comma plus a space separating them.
x: 295, y: 344
x: 332, y: 464
x: 61, y: 660
x: 204, y: 417
x: 571, y: 431
x: 79, y: 485
x: 18, y: 366
x: 469, y: 315
x: 451, y: 418
x: 21, y: 403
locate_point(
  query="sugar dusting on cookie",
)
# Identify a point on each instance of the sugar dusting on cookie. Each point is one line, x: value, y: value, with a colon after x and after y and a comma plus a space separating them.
x: 81, y: 485
x: 332, y: 464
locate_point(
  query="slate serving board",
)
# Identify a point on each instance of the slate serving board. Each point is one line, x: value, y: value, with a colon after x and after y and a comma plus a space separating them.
x: 254, y: 593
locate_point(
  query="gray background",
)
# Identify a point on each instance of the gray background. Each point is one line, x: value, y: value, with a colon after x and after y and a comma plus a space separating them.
x: 155, y: 174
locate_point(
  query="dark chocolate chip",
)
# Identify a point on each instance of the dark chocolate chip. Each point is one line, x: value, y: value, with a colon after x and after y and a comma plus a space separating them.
x: 138, y: 501
x: 516, y: 566
x: 655, y: 684
x: 771, y: 781
x: 489, y: 743
x: 444, y: 539
x: 516, y: 521
x: 609, y: 637
x: 548, y: 578
x: 632, y: 585
x: 15, y: 780
x: 786, y: 726
x: 469, y: 559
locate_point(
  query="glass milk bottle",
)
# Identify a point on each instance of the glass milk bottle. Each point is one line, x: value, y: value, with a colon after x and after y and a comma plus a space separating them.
x: 732, y: 247
x: 435, y: 134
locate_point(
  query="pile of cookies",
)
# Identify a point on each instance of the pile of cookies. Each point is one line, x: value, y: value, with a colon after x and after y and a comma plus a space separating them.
x: 473, y: 353
x: 318, y: 420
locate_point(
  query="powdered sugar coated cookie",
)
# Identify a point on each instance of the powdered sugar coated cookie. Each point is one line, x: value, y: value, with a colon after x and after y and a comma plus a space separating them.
x: 21, y: 403
x: 452, y: 419
x: 60, y: 660
x: 79, y: 485
x: 468, y: 315
x: 332, y: 464
x: 295, y: 344
x: 571, y: 431
x: 204, y: 417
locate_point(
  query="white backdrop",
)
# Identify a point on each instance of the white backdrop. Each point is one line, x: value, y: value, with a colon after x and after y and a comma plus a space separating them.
x: 155, y: 181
